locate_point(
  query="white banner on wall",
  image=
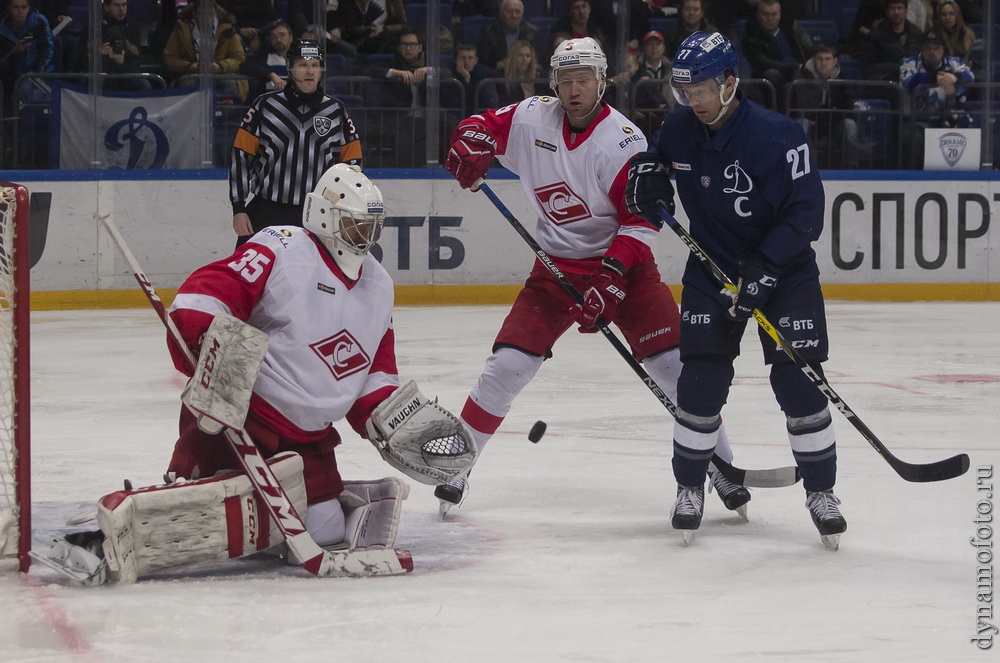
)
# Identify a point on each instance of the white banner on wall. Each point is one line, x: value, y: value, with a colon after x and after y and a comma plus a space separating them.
x: 952, y: 149
x: 149, y: 130
x: 875, y: 232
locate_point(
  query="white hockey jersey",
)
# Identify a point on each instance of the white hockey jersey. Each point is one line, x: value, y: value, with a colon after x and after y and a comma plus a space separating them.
x: 574, y: 181
x: 331, y: 352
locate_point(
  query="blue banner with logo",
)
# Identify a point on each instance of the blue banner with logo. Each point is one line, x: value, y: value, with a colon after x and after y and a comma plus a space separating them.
x: 135, y: 130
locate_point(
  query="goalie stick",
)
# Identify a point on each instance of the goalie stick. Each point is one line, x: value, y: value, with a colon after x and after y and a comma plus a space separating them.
x: 949, y: 468
x: 313, y: 558
x: 769, y: 478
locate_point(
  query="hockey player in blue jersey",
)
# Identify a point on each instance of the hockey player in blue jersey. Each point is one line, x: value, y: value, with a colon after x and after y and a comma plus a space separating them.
x: 750, y: 187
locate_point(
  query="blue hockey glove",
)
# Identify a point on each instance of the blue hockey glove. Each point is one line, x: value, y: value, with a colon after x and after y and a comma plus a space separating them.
x: 758, y: 279
x: 648, y: 184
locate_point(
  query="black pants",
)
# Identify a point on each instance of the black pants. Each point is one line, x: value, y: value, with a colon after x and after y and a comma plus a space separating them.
x: 264, y: 213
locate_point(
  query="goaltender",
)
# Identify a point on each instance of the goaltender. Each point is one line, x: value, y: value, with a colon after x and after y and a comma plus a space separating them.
x: 316, y: 310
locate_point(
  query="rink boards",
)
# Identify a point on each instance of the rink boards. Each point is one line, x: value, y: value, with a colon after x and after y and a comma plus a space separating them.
x: 888, y: 236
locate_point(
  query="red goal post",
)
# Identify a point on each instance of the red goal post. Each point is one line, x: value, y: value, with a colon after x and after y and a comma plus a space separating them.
x: 15, y: 395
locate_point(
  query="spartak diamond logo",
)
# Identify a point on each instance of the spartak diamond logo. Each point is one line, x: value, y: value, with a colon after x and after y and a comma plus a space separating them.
x: 561, y: 205
x: 342, y: 354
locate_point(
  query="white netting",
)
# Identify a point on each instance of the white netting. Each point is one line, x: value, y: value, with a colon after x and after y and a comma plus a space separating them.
x: 9, y: 508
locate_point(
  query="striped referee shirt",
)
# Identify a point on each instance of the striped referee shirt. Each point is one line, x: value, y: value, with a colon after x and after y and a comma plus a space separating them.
x: 284, y: 144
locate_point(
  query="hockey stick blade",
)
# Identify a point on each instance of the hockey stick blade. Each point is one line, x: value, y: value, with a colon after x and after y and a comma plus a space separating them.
x: 941, y: 470
x: 364, y: 563
x: 778, y: 477
x: 753, y: 478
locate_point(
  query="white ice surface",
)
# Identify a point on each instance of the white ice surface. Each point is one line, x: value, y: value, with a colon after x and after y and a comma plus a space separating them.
x: 563, y: 551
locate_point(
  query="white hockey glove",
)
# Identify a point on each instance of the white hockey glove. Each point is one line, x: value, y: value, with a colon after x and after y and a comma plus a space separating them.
x: 219, y: 391
x: 421, y: 439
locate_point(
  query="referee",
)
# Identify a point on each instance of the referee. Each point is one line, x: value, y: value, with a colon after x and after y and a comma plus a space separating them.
x: 286, y: 141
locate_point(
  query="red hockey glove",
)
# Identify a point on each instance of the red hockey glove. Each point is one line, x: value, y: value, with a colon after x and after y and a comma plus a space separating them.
x: 602, y: 299
x: 472, y: 151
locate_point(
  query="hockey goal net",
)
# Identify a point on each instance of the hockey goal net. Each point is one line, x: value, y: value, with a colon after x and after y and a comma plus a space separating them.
x: 15, y: 503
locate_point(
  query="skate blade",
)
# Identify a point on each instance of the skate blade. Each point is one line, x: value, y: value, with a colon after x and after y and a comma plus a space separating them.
x: 444, y: 507
x: 82, y: 519
x: 687, y: 535
x: 742, y: 511
x: 76, y: 565
x: 831, y: 541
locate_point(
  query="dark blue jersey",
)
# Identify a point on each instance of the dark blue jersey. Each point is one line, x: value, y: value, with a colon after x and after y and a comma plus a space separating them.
x: 752, y: 190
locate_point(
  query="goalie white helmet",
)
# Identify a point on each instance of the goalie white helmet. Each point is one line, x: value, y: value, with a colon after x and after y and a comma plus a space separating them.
x: 346, y: 212
x: 582, y: 52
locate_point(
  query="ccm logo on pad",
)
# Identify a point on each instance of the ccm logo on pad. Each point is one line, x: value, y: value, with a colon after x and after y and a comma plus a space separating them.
x: 561, y: 205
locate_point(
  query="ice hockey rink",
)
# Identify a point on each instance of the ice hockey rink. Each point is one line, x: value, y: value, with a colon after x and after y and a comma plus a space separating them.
x: 563, y: 550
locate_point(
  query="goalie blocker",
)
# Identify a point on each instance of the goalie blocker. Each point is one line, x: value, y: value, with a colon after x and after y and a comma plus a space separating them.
x: 420, y: 438
x: 165, y: 528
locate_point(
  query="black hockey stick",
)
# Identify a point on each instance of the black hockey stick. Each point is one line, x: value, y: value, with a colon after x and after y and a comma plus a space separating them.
x: 771, y: 478
x: 948, y: 468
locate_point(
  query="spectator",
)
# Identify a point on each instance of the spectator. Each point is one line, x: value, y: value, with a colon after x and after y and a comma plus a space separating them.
x: 182, y: 54
x: 775, y: 53
x: 831, y: 132
x: 362, y: 23
x: 869, y: 13
x: 578, y: 23
x: 461, y: 9
x: 285, y: 144
x: 956, y: 36
x: 118, y: 55
x: 508, y: 27
x: 471, y: 74
x: 268, y: 65
x: 921, y: 13
x: 520, y: 64
x: 403, y: 84
x: 395, y: 20
x: 890, y: 41
x: 25, y: 48
x: 300, y: 17
x: 662, y: 8
x: 690, y: 20
x: 604, y: 13
x: 251, y: 17
x: 937, y: 83
x: 654, y: 98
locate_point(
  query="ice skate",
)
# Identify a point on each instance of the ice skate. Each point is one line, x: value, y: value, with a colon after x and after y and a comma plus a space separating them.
x: 733, y: 495
x: 686, y: 512
x: 79, y: 556
x: 826, y: 516
x: 451, y: 494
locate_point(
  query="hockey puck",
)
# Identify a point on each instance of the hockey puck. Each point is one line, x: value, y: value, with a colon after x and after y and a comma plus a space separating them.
x: 537, y: 431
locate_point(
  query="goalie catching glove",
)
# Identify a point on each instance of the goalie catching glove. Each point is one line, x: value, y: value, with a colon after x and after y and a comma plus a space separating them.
x: 472, y: 151
x: 421, y: 439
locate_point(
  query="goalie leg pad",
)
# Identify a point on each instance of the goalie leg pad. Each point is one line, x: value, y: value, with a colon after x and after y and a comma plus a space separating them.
x: 372, y: 510
x: 421, y: 439
x: 230, y: 358
x: 156, y: 529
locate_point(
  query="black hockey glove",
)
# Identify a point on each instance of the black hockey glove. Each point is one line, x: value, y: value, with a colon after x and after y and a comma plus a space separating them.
x: 648, y: 184
x: 758, y: 279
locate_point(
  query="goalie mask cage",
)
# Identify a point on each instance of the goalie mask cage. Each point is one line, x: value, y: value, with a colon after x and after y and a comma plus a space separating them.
x: 15, y: 502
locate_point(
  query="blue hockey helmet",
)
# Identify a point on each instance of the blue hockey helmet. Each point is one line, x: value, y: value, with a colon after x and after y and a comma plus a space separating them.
x: 704, y: 56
